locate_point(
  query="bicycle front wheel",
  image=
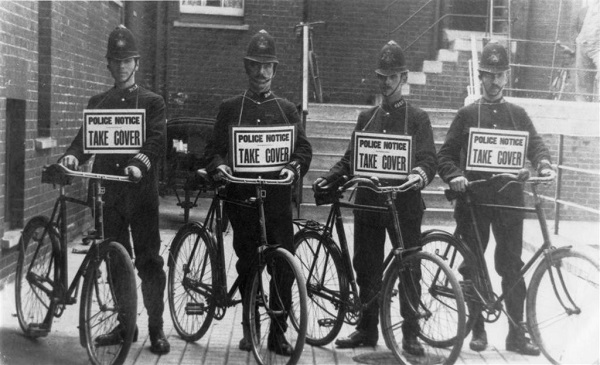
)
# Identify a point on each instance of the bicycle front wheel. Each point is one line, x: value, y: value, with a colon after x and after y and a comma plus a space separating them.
x: 37, y: 273
x: 326, y: 285
x: 421, y: 297
x: 453, y: 252
x: 562, y: 307
x: 277, y: 308
x: 192, y: 281
x: 108, y: 312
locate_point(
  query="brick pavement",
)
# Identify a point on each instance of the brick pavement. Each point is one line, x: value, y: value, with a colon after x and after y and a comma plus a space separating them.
x: 219, y: 345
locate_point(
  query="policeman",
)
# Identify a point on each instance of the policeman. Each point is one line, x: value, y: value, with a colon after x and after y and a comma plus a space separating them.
x: 493, y: 112
x: 132, y: 206
x: 258, y: 106
x: 394, y: 116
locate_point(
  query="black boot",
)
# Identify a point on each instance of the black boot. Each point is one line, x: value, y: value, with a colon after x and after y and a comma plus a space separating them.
x: 518, y: 341
x: 358, y: 338
x: 158, y: 341
x: 245, y: 342
x: 278, y: 344
x: 479, y: 338
x: 114, y: 337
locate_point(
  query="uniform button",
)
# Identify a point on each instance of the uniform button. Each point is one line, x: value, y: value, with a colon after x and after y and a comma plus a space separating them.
x: 258, y: 121
x: 117, y: 165
x: 122, y: 99
x: 384, y: 131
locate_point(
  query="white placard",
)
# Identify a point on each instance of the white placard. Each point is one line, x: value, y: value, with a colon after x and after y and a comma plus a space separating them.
x: 496, y: 150
x: 261, y: 149
x: 108, y: 131
x: 386, y: 156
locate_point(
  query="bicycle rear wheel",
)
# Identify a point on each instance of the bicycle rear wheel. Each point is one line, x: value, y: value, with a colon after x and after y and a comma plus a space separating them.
x: 192, y: 281
x: 562, y: 307
x: 277, y: 306
x: 326, y: 285
x: 37, y: 273
x: 421, y: 296
x: 108, y: 312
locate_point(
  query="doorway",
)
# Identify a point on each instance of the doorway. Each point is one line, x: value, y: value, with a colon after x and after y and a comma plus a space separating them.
x: 15, y: 164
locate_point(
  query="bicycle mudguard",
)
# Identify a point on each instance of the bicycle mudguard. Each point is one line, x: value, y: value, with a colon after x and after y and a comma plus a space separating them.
x: 309, y: 224
x: 185, y: 228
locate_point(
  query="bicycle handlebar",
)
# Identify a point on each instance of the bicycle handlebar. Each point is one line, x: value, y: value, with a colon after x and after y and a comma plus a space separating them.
x: 523, y: 176
x: 68, y: 172
x: 372, y: 183
x: 257, y: 181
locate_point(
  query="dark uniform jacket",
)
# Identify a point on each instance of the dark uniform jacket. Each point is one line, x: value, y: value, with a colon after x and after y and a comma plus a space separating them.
x: 392, y: 120
x: 149, y: 156
x: 500, y: 115
x: 256, y: 110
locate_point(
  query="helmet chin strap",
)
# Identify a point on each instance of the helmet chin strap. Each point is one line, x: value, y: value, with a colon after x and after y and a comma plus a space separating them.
x: 130, y: 75
x: 395, y: 89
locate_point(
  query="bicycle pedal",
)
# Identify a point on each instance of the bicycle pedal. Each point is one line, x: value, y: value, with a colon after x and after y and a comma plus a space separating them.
x: 80, y: 250
x: 327, y: 322
x: 195, y: 309
x: 38, y: 330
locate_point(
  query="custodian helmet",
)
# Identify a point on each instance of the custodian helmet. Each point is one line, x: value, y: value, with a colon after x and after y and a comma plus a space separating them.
x: 121, y: 44
x: 494, y: 58
x: 391, y: 60
x: 262, y: 48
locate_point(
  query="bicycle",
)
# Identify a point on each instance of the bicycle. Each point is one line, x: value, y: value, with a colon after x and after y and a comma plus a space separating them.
x: 564, y: 285
x: 313, y: 66
x: 197, y: 280
x: 333, y: 292
x: 559, y: 82
x: 42, y: 290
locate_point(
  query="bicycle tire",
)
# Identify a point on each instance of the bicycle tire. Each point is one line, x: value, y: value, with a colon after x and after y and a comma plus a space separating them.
x: 440, y: 313
x: 313, y: 68
x: 192, y: 265
x: 264, y: 299
x: 38, y: 259
x: 108, y: 304
x: 326, y: 285
x: 565, y: 337
x: 453, y: 252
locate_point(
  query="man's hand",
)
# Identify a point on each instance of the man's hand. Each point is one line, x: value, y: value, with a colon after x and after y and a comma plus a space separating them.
x: 134, y: 173
x: 291, y: 168
x: 459, y: 183
x: 219, y: 176
x: 547, y: 172
x: 319, y: 184
x: 69, y: 161
x: 415, y: 182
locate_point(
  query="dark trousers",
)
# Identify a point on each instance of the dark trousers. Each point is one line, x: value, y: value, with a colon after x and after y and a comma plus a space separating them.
x: 508, y: 232
x: 143, y: 221
x: 369, y: 246
x: 246, y: 237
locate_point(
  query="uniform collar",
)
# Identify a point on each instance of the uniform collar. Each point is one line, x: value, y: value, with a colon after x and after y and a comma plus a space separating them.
x: 259, y: 96
x: 128, y: 90
x: 485, y: 101
x: 398, y: 104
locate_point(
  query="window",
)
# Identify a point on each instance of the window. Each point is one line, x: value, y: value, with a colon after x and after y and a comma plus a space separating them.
x: 212, y: 7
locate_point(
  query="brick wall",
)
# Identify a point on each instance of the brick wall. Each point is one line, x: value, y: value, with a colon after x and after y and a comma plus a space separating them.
x: 72, y: 69
x: 205, y: 65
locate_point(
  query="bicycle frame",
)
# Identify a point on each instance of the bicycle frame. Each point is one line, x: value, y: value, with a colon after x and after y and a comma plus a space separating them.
x: 335, y: 219
x: 62, y: 292
x: 223, y: 297
x: 487, y: 296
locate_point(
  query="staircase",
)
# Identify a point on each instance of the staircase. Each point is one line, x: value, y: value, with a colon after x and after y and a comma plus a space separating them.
x: 440, y: 89
x: 329, y: 128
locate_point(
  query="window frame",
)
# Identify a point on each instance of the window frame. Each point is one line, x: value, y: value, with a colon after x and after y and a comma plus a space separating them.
x: 212, y: 10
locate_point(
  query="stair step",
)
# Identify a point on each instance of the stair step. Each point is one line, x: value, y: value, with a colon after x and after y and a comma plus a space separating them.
x: 433, y: 67
x: 417, y: 78
x: 446, y: 55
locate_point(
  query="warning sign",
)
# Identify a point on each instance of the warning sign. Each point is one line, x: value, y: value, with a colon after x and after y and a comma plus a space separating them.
x: 261, y: 149
x: 382, y: 155
x: 107, y: 131
x: 495, y: 150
